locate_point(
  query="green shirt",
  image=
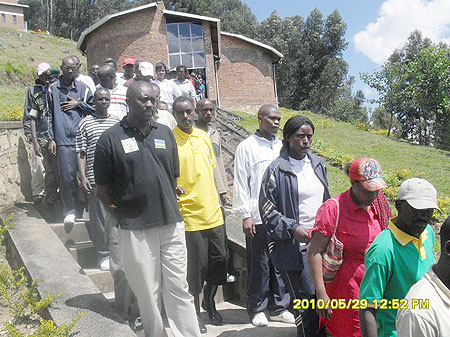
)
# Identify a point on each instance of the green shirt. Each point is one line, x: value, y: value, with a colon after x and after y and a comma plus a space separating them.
x: 393, y: 263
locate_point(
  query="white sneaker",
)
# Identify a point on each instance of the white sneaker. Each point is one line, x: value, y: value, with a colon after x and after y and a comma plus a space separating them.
x: 230, y: 278
x: 260, y: 319
x: 104, y: 264
x: 285, y: 317
x: 69, y: 219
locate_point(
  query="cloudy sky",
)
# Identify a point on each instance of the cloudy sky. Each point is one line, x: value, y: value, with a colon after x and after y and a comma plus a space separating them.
x: 374, y: 27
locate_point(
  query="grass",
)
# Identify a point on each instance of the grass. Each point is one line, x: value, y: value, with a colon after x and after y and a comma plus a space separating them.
x: 425, y: 162
x: 19, y: 59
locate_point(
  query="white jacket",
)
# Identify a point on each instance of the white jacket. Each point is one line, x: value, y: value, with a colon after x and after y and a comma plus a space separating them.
x: 252, y: 157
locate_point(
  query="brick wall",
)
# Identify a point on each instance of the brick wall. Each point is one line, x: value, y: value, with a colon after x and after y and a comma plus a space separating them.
x: 245, y: 75
x: 9, y: 11
x: 210, y: 71
x: 141, y: 35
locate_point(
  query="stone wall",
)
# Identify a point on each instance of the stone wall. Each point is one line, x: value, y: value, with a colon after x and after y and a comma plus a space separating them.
x: 15, y: 172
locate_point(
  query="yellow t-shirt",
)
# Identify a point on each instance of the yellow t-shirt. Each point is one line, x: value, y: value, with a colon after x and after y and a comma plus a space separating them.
x: 200, y: 206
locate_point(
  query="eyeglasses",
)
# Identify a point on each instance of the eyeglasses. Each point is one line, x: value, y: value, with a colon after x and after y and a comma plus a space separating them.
x: 69, y: 68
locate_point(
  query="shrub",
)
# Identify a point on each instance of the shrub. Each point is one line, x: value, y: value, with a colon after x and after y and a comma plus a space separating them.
x: 362, y: 126
x: 11, y: 112
x: 3, y: 44
x: 382, y: 132
x: 23, y: 300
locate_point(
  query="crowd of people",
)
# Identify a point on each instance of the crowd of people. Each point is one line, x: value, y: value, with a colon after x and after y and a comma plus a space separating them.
x: 137, y: 151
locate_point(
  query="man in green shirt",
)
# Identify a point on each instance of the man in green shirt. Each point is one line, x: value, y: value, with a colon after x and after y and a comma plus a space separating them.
x: 398, y: 258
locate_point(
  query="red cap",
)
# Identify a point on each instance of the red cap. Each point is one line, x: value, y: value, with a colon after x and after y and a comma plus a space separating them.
x: 368, y: 172
x: 128, y: 60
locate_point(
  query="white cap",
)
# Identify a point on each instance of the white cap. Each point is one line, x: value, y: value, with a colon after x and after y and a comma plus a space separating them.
x: 419, y: 193
x: 146, y: 69
x: 42, y: 67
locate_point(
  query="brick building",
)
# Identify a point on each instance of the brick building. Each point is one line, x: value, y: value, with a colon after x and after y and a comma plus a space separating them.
x: 11, y: 14
x: 239, y: 71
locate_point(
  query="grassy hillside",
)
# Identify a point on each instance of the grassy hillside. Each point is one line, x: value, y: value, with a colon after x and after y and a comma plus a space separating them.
x: 20, y: 53
x: 393, y: 155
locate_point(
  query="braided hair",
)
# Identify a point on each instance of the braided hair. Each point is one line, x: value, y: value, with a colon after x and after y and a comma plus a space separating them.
x: 291, y: 126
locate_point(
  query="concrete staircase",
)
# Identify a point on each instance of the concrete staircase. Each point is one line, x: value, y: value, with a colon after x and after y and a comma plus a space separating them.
x: 76, y: 240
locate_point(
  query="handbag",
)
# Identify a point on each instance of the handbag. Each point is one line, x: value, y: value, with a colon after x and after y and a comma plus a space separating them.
x: 332, y: 256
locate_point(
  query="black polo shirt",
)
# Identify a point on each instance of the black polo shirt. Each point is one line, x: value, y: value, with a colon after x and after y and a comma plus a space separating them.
x: 141, y: 171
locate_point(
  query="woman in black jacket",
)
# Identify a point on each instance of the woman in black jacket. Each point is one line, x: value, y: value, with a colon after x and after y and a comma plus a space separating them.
x: 293, y: 188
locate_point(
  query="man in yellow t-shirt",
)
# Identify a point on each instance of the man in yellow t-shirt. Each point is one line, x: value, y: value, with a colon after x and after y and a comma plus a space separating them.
x: 199, y: 205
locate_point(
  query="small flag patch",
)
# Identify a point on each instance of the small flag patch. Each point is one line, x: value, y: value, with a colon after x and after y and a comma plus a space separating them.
x: 160, y: 144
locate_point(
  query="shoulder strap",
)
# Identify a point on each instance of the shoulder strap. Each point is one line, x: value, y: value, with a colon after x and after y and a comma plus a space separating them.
x: 337, y: 216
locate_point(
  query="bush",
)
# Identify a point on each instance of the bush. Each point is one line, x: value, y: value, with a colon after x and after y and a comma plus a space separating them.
x: 382, y: 132
x: 11, y: 112
x: 23, y: 301
x: 3, y: 44
x: 362, y: 126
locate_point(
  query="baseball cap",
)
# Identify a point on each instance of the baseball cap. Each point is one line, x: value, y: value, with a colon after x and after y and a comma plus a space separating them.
x: 146, y: 69
x: 419, y: 193
x: 42, y: 67
x: 368, y: 171
x: 128, y: 60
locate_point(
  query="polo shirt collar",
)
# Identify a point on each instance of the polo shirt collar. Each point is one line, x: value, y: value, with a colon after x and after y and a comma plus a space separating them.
x: 126, y: 125
x: 184, y: 135
x: 404, y: 238
x: 349, y: 201
x: 441, y: 289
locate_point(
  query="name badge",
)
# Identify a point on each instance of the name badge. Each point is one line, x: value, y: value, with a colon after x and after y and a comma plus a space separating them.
x: 160, y: 144
x: 130, y: 145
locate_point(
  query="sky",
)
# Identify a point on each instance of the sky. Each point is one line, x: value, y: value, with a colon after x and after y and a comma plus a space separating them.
x: 375, y: 28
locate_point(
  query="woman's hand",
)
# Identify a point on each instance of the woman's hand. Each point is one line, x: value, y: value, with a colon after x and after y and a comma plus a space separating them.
x: 326, y: 313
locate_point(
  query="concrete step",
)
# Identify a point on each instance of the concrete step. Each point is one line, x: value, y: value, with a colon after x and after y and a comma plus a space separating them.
x: 109, y: 296
x: 84, y: 253
x: 102, y: 279
x: 76, y: 233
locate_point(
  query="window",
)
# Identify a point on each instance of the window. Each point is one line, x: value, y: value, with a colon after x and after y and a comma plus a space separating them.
x: 3, y: 18
x: 185, y: 45
x: 14, y: 20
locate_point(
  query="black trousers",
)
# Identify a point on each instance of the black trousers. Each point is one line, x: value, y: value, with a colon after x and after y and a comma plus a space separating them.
x: 206, y: 258
x: 301, y: 286
x: 265, y: 287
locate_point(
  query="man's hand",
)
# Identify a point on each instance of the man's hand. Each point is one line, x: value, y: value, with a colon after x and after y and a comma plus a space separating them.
x: 52, y: 147
x: 301, y: 235
x: 111, y: 209
x: 248, y: 227
x: 223, y: 198
x: 180, y: 191
x: 85, y: 184
x: 37, y: 149
x: 70, y: 104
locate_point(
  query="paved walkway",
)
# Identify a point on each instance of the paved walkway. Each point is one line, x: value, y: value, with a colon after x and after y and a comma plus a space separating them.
x: 237, y: 324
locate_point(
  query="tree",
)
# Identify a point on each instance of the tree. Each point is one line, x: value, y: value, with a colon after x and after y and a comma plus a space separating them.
x: 413, y: 86
x: 429, y: 88
x: 312, y: 71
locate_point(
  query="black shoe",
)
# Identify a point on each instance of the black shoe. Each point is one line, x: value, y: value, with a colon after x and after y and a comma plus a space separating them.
x: 202, y: 326
x: 136, y: 324
x: 208, y: 304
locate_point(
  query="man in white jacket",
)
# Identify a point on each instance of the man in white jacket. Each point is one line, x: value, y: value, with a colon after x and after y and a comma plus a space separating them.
x: 265, y: 288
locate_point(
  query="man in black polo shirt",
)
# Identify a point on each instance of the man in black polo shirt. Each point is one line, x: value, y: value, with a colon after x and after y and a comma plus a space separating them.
x: 136, y: 168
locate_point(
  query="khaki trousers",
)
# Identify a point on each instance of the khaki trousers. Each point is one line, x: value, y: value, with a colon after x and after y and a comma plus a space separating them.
x: 155, y: 259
